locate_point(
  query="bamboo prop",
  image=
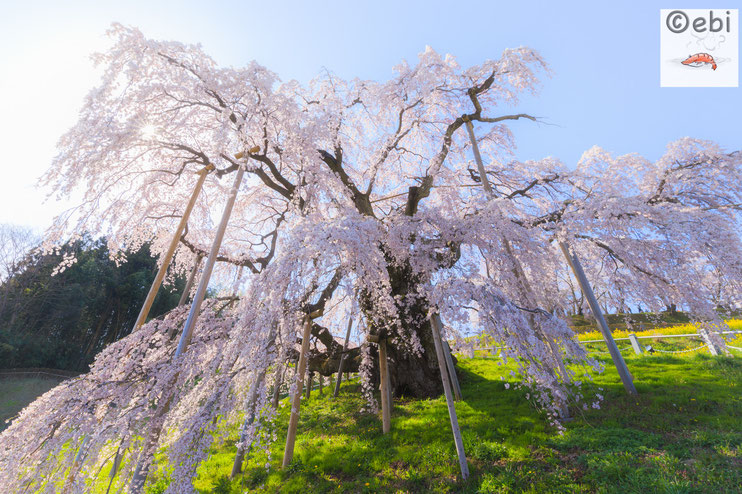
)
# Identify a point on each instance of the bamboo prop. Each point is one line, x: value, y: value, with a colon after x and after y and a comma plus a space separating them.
x: 342, y: 359
x: 189, y: 284
x: 386, y: 417
x: 435, y: 326
x: 452, y: 372
x: 141, y: 471
x: 171, y: 249
x: 288, y: 453
x: 587, y: 290
x: 251, y: 412
x: 635, y: 344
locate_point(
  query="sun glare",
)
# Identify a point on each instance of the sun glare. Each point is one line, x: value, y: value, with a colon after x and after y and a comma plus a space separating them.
x: 148, y: 131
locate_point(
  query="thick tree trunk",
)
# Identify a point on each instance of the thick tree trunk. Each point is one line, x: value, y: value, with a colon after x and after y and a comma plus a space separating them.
x: 411, y: 375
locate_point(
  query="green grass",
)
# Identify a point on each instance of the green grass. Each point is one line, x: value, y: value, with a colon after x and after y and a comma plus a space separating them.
x: 683, y: 434
x: 17, y: 392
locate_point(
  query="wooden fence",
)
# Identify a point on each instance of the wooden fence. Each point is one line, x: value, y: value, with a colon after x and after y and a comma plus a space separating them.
x: 638, y: 349
x: 38, y: 372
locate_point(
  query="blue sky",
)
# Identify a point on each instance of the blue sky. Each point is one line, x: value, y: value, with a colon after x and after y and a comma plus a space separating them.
x: 604, y: 87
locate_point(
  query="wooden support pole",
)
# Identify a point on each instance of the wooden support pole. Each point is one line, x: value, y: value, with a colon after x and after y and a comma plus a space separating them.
x: 321, y: 379
x: 203, y: 284
x: 635, y: 344
x: 342, y: 359
x: 308, y: 389
x: 523, y: 285
x: 478, y: 158
x: 587, y: 290
x: 141, y: 471
x: 189, y: 284
x: 171, y: 249
x: 436, y: 326
x: 288, y: 453
x: 386, y: 416
x: 452, y: 371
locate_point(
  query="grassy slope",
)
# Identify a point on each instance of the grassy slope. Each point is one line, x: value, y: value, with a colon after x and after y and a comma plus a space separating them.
x: 683, y: 434
x: 17, y: 392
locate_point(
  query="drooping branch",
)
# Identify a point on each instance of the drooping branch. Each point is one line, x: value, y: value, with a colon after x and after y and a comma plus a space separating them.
x: 619, y: 258
x: 254, y: 265
x: 416, y: 194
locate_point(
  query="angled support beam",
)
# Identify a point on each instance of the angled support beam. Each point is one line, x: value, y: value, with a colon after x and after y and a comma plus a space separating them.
x: 436, y: 325
x: 618, y: 361
x: 452, y: 371
x: 203, y: 284
x: 146, y: 455
x: 141, y: 319
x: 635, y: 344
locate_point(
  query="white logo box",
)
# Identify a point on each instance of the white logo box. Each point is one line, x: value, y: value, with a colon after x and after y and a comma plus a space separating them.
x: 707, y: 40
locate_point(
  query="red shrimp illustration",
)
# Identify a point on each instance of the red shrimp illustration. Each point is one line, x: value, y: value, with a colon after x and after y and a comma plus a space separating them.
x: 699, y: 59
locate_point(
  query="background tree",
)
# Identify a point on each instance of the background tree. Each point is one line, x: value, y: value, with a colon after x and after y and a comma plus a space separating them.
x: 62, y: 320
x: 15, y: 242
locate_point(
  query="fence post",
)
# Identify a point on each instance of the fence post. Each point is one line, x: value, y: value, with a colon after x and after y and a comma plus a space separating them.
x: 435, y: 326
x: 635, y: 344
